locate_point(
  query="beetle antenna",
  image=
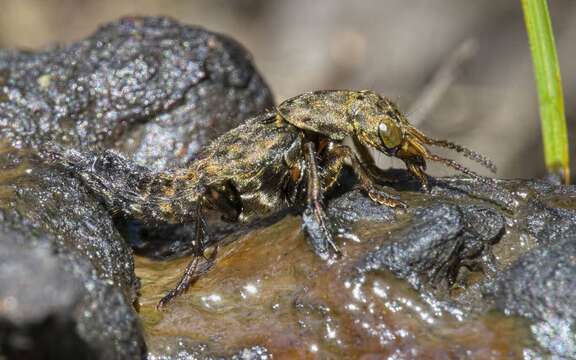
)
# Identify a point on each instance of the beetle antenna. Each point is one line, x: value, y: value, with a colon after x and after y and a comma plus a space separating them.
x: 470, y: 154
x: 456, y: 166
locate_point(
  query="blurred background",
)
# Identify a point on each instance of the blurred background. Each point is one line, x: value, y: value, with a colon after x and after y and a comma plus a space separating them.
x: 461, y: 69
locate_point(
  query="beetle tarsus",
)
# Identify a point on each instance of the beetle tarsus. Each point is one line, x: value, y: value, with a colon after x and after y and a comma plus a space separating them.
x: 197, y: 267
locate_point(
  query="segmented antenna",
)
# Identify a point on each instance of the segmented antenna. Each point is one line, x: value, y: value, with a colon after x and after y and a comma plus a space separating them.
x: 470, y: 154
x: 456, y: 166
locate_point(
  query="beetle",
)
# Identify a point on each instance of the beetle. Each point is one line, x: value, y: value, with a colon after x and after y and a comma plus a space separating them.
x: 282, y: 158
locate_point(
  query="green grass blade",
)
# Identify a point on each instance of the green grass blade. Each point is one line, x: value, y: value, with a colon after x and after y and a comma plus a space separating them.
x: 547, y: 71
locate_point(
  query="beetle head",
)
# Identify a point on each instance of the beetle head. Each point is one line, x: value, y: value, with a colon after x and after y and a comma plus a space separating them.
x: 379, y: 124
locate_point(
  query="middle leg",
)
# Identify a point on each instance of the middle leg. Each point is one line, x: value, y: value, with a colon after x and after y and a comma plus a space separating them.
x: 314, y: 218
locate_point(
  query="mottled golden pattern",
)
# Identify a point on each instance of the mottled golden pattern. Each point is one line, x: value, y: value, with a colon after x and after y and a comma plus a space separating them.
x: 281, y: 158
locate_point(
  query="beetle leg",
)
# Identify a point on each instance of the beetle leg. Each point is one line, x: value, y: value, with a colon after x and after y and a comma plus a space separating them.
x: 367, y: 159
x: 338, y: 153
x: 419, y: 173
x: 226, y: 199
x: 199, y: 264
x: 314, y: 219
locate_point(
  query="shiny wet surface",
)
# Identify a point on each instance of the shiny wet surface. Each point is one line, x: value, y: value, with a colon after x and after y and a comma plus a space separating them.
x: 269, y: 289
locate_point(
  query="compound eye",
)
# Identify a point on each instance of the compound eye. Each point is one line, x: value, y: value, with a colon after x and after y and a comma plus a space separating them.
x: 390, y: 134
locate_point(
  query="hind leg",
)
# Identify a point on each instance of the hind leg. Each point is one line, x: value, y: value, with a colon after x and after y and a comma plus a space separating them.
x: 198, y: 266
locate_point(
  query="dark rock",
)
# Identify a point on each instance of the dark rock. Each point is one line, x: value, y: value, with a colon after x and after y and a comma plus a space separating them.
x: 38, y: 198
x: 442, y: 243
x: 53, y: 306
x: 37, y: 302
x: 459, y: 188
x: 354, y: 206
x: 542, y: 287
x: 437, y: 241
x: 483, y: 227
x: 551, y: 225
x: 25, y: 275
x: 68, y: 273
x: 150, y: 87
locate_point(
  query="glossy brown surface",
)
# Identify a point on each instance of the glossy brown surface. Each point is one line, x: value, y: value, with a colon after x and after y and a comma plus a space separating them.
x: 269, y: 289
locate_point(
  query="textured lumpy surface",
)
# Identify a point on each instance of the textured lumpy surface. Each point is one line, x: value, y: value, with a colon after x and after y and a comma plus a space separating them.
x: 151, y: 87
x: 65, y: 270
x: 468, y: 271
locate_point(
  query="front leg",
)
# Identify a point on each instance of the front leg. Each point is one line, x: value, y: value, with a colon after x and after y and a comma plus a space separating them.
x: 335, y: 157
x: 314, y: 219
x: 366, y: 157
